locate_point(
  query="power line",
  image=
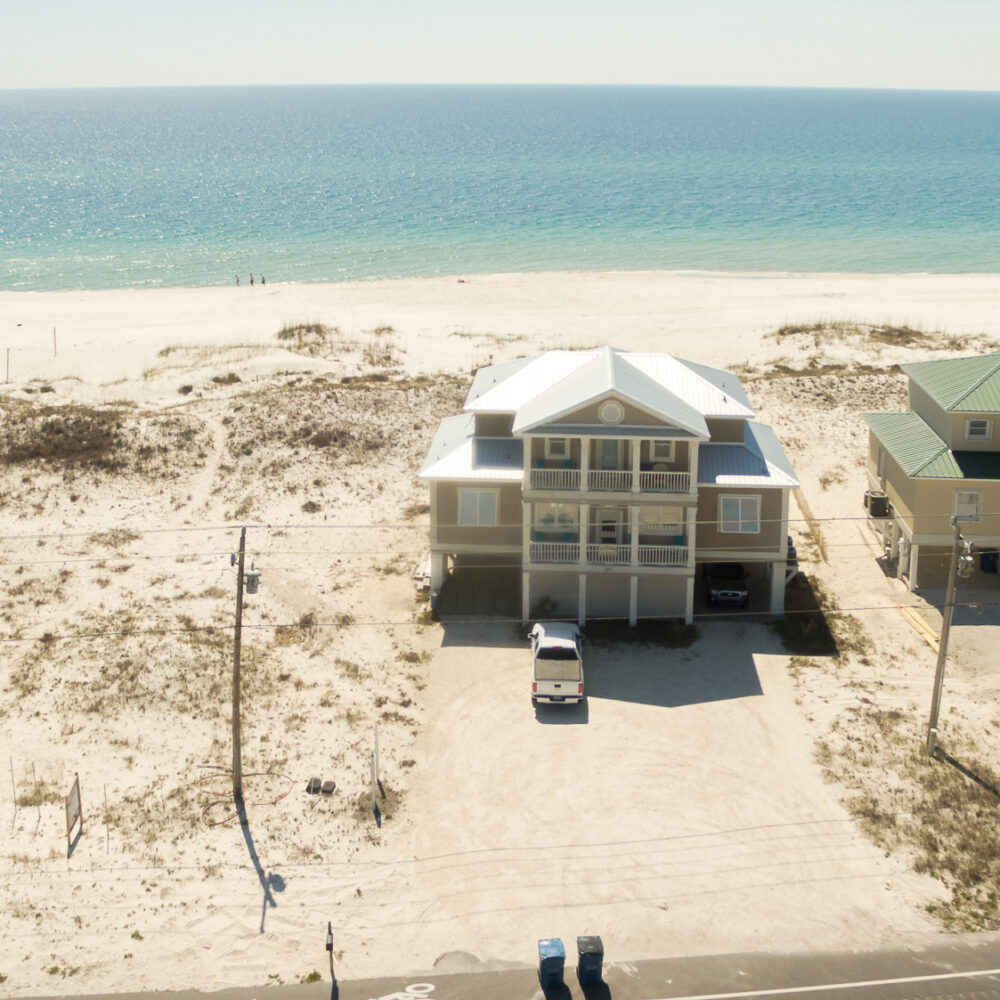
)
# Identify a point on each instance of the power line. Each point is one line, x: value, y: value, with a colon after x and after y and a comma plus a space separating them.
x: 348, y: 621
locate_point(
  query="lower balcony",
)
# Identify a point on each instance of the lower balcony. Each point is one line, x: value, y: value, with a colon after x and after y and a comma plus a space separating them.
x: 568, y: 553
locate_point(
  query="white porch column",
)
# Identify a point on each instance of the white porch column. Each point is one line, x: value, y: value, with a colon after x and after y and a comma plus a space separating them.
x: 689, y: 601
x: 693, y: 465
x: 581, y: 601
x: 633, y: 600
x: 914, y: 554
x: 634, y: 534
x: 777, y: 588
x: 525, y: 597
x: 636, y: 447
x: 784, y: 525
x: 584, y: 462
x: 584, y: 531
x: 691, y: 517
x: 439, y: 562
x: 525, y: 532
x: 527, y: 446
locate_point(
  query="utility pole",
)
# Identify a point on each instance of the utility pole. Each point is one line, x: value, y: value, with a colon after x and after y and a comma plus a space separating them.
x: 949, y: 610
x: 237, y: 750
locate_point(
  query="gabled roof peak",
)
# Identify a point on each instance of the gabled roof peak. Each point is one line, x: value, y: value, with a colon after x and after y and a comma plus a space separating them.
x: 695, y: 391
x: 966, y: 385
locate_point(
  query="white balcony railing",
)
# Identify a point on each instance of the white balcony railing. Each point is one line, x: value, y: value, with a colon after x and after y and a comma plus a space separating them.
x: 663, y: 555
x: 610, y: 481
x: 664, y: 482
x: 555, y: 479
x: 554, y: 552
x: 609, y: 555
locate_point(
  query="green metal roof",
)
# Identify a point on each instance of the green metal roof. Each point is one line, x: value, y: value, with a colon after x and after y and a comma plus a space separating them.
x: 965, y: 385
x: 910, y: 441
x: 923, y: 455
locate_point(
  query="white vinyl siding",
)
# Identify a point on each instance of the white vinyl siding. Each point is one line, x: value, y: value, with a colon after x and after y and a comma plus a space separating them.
x: 968, y: 504
x: 477, y: 507
x: 978, y: 429
x: 739, y: 515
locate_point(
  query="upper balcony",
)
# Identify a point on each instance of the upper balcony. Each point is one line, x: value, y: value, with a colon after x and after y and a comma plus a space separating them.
x: 607, y: 465
x: 610, y: 481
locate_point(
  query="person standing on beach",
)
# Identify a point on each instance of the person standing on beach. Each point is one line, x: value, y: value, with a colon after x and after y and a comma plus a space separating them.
x: 251, y: 279
x: 237, y: 281
x: 262, y: 280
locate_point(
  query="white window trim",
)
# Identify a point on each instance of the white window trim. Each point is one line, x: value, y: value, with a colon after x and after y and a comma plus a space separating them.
x: 653, y: 457
x: 964, y: 510
x: 479, y: 494
x: 742, y: 518
x: 549, y: 453
x: 987, y: 426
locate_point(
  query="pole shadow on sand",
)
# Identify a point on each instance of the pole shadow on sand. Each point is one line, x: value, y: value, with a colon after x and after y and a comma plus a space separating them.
x: 268, y: 880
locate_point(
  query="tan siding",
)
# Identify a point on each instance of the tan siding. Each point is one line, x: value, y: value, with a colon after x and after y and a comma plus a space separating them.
x: 538, y: 453
x: 958, y: 422
x: 506, y: 532
x: 494, y: 424
x: 726, y: 430
x: 679, y: 464
x: 633, y: 416
x: 922, y: 404
x: 771, y: 529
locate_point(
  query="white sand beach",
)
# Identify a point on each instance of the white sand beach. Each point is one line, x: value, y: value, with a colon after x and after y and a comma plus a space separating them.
x: 140, y: 429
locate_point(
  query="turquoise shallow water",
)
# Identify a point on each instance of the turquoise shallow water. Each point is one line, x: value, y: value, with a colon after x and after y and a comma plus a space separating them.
x: 189, y: 186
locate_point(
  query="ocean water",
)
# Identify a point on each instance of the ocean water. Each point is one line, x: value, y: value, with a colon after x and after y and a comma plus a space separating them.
x: 190, y: 186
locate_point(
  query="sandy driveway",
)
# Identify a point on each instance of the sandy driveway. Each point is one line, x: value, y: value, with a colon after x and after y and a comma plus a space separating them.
x: 678, y: 811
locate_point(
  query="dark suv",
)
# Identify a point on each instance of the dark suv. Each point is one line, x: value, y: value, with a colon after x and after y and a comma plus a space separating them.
x: 726, y: 584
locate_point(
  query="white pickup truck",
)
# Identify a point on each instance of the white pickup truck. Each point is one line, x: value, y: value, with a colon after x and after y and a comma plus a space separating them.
x: 556, y: 663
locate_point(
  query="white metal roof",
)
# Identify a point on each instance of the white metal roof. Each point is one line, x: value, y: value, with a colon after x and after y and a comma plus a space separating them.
x: 609, y: 373
x: 457, y: 454
x: 681, y: 391
x: 759, y: 461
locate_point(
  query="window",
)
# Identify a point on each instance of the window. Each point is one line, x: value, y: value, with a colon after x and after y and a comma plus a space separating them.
x: 968, y: 505
x: 739, y: 515
x: 556, y: 448
x: 978, y: 430
x: 662, y: 451
x: 477, y: 507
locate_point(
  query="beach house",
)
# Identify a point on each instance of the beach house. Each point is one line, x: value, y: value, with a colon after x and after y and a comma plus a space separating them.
x: 608, y: 479
x: 938, y: 461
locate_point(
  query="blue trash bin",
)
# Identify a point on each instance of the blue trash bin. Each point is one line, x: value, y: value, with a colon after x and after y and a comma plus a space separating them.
x: 988, y: 561
x: 551, y: 959
x: 590, y: 961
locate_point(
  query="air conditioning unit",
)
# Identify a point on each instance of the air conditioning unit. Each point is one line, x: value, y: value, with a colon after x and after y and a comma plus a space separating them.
x: 876, y: 503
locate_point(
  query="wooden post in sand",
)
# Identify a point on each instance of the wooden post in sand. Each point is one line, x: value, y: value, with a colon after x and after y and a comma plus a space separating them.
x: 237, y: 751
x: 53, y: 342
x: 8, y: 364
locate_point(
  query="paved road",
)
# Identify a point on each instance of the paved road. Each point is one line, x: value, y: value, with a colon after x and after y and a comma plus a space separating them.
x: 956, y: 972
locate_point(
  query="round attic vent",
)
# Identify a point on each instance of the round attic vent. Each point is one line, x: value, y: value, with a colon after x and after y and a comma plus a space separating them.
x: 611, y: 412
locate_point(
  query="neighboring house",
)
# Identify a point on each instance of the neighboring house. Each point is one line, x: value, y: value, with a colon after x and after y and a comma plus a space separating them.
x: 608, y: 477
x: 939, y: 459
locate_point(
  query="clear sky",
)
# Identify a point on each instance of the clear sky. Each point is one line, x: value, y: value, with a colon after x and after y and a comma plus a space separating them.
x: 946, y: 44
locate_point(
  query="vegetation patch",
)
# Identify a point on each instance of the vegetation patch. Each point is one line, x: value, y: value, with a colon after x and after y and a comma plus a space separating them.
x: 905, y: 800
